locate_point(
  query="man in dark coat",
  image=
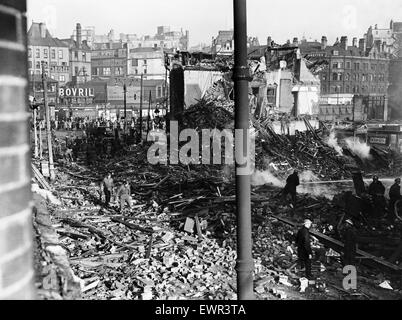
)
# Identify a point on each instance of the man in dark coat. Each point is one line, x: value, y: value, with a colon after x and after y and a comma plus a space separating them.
x: 376, y: 191
x: 394, y: 196
x: 304, y: 251
x: 350, y: 244
x: 291, y: 184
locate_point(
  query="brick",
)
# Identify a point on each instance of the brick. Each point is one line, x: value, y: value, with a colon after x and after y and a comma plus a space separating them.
x: 17, y: 133
x: 10, y: 169
x: 20, y: 5
x: 15, y: 201
x: 12, y: 99
x: 13, y: 62
x: 15, y: 269
x: 15, y: 235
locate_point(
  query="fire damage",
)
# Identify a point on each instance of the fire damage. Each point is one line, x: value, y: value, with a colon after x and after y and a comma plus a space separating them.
x: 177, y: 240
x: 113, y: 226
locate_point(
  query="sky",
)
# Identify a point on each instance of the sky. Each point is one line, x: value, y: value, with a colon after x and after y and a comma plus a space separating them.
x: 282, y: 20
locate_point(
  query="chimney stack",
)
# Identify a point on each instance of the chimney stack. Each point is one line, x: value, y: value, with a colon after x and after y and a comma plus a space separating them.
x: 269, y: 41
x: 79, y: 35
x: 355, y: 42
x: 295, y: 42
x: 344, y: 43
x: 324, y: 43
x: 362, y: 45
x: 42, y: 29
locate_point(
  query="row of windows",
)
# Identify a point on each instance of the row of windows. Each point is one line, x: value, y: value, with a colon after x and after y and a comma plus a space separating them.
x: 358, y: 66
x: 353, y: 89
x: 355, y: 77
x: 38, y: 65
x: 45, y: 53
x: 108, y: 71
x: 60, y: 78
x: 135, y: 62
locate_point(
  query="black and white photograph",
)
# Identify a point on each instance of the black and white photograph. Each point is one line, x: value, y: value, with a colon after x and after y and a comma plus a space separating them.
x: 215, y: 152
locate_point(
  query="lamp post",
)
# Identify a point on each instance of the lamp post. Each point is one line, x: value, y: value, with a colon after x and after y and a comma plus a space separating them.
x: 241, y: 77
x: 141, y: 101
x: 48, y: 128
x: 125, y: 108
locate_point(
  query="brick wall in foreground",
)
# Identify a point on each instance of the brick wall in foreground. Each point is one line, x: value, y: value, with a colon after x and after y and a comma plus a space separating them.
x: 16, y: 257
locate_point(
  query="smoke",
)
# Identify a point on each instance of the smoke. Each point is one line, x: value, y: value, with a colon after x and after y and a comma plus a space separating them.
x: 260, y: 178
x: 361, y: 149
x: 308, y: 176
x: 333, y: 143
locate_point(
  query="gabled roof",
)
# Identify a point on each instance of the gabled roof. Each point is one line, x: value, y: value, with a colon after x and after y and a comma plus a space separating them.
x: 35, y: 38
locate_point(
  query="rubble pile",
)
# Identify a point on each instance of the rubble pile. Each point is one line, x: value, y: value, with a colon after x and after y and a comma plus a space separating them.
x: 208, y: 114
x: 282, y: 154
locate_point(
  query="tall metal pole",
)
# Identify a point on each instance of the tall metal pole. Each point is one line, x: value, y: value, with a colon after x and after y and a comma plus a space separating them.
x: 244, y: 263
x: 149, y: 112
x: 141, y: 99
x: 40, y: 141
x: 35, y: 133
x: 354, y: 127
x: 125, y: 108
x: 48, y: 128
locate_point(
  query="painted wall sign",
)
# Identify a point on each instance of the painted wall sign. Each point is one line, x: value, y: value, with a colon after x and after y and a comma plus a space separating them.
x: 378, y: 140
x: 76, y: 92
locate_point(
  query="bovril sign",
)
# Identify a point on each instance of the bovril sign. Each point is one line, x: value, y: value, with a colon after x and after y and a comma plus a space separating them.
x: 76, y: 92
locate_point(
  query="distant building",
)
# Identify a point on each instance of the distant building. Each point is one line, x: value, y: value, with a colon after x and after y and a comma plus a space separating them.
x: 390, y: 39
x: 87, y: 34
x: 223, y: 44
x: 147, y: 61
x: 164, y: 39
x: 80, y: 58
x: 54, y: 53
x: 352, y: 70
x: 109, y: 60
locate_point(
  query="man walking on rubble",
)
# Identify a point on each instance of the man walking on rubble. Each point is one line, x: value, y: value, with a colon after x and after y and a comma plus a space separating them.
x: 107, y: 187
x: 350, y: 244
x: 291, y: 184
x: 304, y: 251
x: 376, y: 191
x: 124, y: 193
x: 394, y: 196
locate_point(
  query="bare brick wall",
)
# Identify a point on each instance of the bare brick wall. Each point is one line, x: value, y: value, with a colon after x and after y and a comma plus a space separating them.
x: 16, y: 250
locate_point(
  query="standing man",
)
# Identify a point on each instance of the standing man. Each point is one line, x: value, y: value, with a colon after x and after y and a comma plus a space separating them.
x: 350, y: 239
x: 107, y: 186
x: 394, y: 196
x: 291, y: 184
x: 376, y: 188
x: 304, y: 251
x: 124, y: 193
x: 376, y: 191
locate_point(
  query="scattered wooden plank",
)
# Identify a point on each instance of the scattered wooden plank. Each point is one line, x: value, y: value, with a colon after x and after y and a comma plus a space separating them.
x: 133, y: 226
